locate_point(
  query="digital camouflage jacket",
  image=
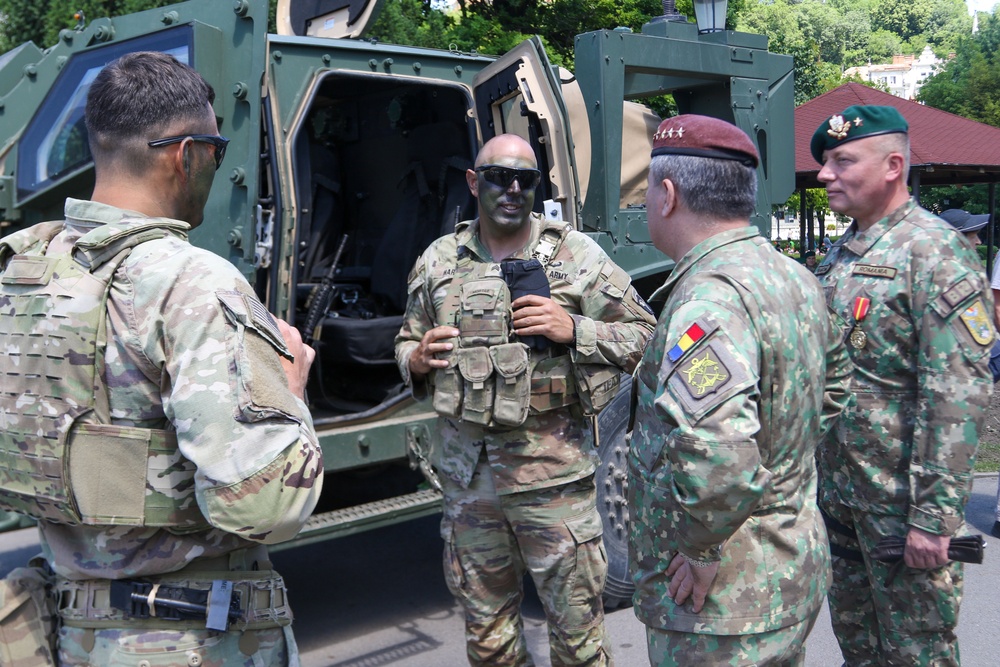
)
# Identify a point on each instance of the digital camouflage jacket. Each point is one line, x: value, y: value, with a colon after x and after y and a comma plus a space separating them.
x: 612, y: 321
x: 917, y: 310
x: 744, y: 374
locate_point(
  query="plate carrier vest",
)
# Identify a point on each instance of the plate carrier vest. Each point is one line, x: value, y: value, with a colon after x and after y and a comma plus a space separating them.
x: 496, y: 383
x: 61, y: 459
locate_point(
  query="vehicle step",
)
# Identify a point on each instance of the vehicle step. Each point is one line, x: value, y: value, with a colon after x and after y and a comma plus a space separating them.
x: 359, y: 518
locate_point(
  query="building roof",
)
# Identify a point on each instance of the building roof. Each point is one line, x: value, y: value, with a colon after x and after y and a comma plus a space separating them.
x: 945, y: 149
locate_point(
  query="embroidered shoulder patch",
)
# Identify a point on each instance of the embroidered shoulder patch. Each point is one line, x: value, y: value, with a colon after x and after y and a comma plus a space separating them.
x: 693, y: 334
x: 977, y: 322
x: 704, y: 373
x: 874, y: 271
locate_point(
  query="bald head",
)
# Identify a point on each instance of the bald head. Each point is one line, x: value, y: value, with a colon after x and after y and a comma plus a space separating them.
x: 509, y: 146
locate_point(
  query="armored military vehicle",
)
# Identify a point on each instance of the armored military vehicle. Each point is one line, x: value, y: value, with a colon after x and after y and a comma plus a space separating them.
x: 348, y: 158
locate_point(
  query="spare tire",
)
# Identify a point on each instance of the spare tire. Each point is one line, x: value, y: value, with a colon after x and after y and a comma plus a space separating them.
x: 612, y: 493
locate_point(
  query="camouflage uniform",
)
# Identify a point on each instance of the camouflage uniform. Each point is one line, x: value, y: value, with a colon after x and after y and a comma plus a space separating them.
x: 744, y: 374
x: 524, y: 497
x: 902, y: 455
x: 187, y: 352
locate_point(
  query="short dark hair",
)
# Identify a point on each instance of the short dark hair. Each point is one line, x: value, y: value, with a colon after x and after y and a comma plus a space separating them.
x: 138, y: 96
x: 724, y: 189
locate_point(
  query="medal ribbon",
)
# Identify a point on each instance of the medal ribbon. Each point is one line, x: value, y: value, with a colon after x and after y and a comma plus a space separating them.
x: 861, y: 305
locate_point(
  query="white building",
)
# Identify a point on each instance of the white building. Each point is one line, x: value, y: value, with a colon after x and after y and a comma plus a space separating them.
x: 904, y: 76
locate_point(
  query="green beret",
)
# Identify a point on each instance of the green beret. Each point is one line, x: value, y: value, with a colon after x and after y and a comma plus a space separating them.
x: 856, y: 122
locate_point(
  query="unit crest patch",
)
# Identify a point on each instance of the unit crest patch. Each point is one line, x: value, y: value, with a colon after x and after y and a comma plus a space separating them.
x: 704, y: 373
x: 977, y: 322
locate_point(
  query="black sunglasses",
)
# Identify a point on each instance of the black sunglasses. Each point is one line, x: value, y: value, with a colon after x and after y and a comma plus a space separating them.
x: 220, y: 143
x: 527, y: 179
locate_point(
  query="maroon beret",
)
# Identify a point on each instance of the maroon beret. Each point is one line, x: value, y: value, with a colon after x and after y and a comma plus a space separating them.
x: 704, y: 136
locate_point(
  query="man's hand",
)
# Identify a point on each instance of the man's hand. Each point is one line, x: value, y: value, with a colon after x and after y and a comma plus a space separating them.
x: 540, y: 316
x: 687, y: 581
x: 925, y: 550
x: 424, y: 359
x: 296, y: 371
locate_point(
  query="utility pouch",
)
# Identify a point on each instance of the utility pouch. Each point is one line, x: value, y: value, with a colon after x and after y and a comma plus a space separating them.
x: 597, y: 384
x: 484, y: 318
x: 27, y: 619
x: 476, y: 368
x: 552, y: 384
x: 513, y: 383
x: 448, y: 389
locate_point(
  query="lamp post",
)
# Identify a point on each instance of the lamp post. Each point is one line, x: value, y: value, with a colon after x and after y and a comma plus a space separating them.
x: 710, y: 15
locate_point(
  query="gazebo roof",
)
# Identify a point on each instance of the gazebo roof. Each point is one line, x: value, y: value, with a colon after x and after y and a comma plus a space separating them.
x: 945, y: 149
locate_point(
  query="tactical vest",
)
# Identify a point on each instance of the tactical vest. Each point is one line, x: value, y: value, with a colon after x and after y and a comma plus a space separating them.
x: 61, y: 459
x: 494, y: 382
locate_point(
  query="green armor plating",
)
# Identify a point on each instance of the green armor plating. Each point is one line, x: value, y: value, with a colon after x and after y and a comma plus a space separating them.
x: 61, y: 459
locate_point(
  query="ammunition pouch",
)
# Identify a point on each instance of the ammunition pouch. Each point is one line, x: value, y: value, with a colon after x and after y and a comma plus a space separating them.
x: 476, y: 368
x: 27, y: 618
x: 513, y: 383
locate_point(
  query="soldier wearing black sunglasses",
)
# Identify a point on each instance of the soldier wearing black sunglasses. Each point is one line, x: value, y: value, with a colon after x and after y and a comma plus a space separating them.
x: 192, y: 365
x: 518, y: 327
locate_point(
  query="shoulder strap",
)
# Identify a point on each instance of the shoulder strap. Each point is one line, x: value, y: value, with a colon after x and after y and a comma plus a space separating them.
x: 24, y: 240
x: 550, y: 240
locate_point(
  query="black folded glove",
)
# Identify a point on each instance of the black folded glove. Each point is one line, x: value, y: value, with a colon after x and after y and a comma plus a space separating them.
x: 968, y: 549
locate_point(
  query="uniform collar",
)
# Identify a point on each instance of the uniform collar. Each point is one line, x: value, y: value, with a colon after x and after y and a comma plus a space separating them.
x: 859, y: 242
x: 468, y: 239
x: 696, y: 253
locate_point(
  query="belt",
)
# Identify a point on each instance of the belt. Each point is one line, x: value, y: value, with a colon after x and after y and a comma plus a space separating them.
x: 259, y: 599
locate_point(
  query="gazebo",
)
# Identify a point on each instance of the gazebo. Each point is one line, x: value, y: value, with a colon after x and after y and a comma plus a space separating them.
x: 945, y: 149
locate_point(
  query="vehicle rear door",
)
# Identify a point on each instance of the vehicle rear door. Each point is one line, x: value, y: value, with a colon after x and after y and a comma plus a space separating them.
x: 520, y: 94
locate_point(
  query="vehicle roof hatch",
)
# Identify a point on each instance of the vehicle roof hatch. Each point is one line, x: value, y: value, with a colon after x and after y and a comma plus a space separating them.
x: 520, y: 94
x: 327, y: 18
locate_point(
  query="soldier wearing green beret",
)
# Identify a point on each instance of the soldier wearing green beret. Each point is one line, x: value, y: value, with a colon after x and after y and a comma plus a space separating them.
x: 916, y: 312
x: 744, y: 374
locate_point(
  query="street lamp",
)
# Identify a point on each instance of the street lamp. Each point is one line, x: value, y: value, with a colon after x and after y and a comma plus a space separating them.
x: 710, y: 15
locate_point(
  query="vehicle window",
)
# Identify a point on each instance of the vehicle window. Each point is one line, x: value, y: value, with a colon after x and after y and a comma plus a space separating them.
x: 54, y: 146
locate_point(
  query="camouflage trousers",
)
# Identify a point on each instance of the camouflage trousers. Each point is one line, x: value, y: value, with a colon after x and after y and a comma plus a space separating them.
x: 274, y: 647
x: 555, y: 535
x: 910, y: 620
x: 778, y: 648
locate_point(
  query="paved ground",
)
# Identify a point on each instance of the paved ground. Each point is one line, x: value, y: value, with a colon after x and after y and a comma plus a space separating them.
x: 379, y: 599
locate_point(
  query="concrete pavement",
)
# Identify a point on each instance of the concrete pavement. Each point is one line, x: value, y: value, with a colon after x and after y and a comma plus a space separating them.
x: 379, y: 598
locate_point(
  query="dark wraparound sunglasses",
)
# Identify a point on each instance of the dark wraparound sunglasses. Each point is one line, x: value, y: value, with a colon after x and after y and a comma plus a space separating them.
x: 220, y: 143
x: 527, y: 179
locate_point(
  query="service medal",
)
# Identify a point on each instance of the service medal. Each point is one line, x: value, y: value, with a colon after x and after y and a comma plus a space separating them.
x: 858, y: 338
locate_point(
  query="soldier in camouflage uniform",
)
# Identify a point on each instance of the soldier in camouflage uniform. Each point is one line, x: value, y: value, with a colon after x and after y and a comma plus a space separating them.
x: 743, y: 376
x: 515, y: 450
x: 196, y: 448
x: 916, y: 307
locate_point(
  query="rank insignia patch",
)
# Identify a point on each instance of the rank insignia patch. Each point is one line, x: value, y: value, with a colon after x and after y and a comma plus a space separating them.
x: 978, y: 323
x: 704, y: 374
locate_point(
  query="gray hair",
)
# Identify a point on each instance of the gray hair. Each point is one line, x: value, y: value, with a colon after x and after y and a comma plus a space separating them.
x: 723, y: 189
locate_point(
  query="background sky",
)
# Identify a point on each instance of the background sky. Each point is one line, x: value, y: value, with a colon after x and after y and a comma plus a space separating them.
x: 980, y: 5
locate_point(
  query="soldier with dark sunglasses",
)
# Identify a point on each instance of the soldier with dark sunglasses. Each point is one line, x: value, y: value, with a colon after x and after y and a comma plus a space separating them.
x: 168, y: 437
x: 517, y: 328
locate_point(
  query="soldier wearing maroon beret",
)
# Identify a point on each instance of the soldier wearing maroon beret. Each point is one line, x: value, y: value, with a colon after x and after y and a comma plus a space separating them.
x: 744, y: 374
x: 917, y: 314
